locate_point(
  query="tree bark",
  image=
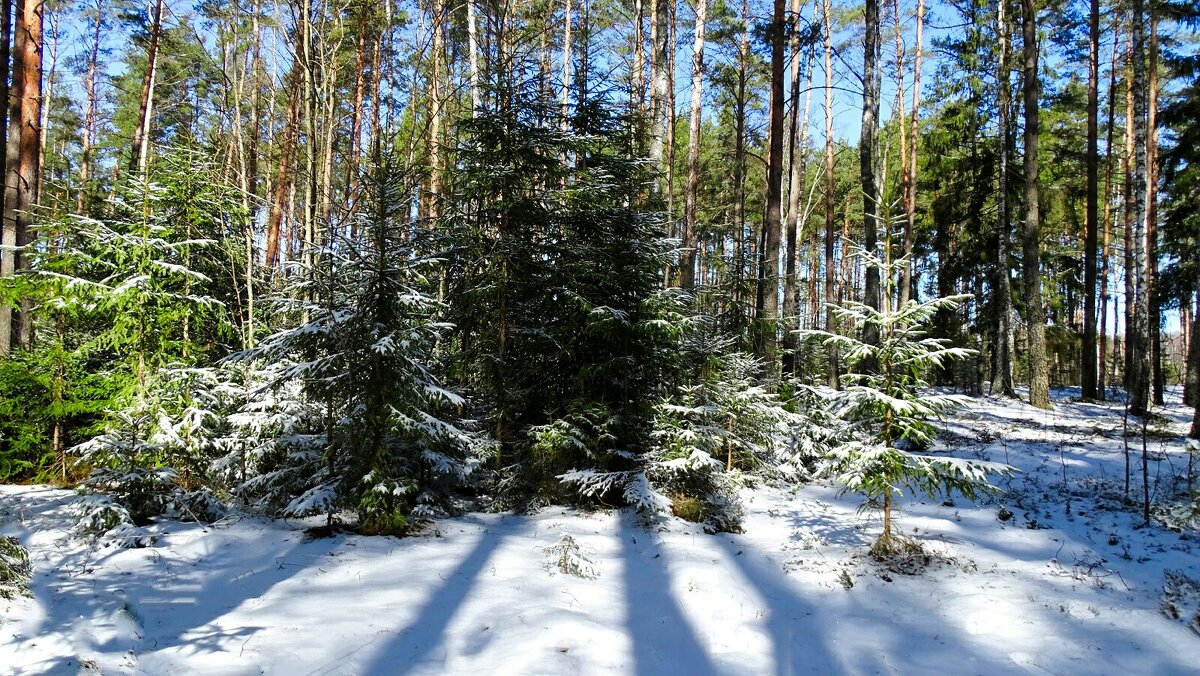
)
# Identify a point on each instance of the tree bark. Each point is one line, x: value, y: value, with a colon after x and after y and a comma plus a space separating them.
x: 141, y: 132
x: 830, y: 222
x: 1035, y: 315
x: 739, y: 159
x: 638, y: 84
x: 565, y: 88
x: 866, y: 157
x: 1102, y: 372
x: 23, y: 162
x: 1194, y: 370
x: 687, y: 257
x: 1139, y: 338
x: 1127, y: 163
x: 797, y: 163
x: 658, y: 96
x: 772, y: 220
x: 1153, y: 297
x: 1088, y: 376
x: 908, y: 287
x: 283, y: 178
x: 88, y: 132
x: 1002, y: 295
x: 473, y: 47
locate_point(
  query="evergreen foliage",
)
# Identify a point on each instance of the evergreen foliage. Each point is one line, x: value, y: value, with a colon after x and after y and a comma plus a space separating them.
x: 884, y: 399
x: 554, y: 305
x: 15, y: 570
x: 364, y: 352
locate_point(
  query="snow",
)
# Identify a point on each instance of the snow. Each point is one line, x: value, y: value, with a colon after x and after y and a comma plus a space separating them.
x: 1067, y: 585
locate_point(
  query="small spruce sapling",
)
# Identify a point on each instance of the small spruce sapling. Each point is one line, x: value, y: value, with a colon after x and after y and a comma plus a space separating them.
x: 889, y: 406
x: 15, y: 570
x: 569, y: 558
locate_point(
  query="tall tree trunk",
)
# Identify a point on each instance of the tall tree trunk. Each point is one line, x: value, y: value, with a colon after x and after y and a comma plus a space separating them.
x: 283, y: 177
x: 354, y: 148
x: 658, y: 95
x: 88, y: 132
x: 669, y: 140
x: 772, y: 220
x: 638, y: 95
x: 899, y: 114
x: 435, y: 108
x: 565, y: 91
x: 8, y: 225
x: 141, y: 132
x: 1127, y: 163
x: 1002, y: 294
x: 309, y: 83
x: 866, y: 157
x: 1191, y: 388
x: 1088, y: 377
x: 1102, y: 374
x: 1139, y: 338
x: 908, y: 286
x: 830, y: 201
x: 687, y: 260
x: 797, y: 156
x: 23, y: 162
x: 48, y: 80
x: 1031, y: 234
x: 473, y: 47
x: 1194, y: 368
x: 1153, y: 297
x: 739, y: 158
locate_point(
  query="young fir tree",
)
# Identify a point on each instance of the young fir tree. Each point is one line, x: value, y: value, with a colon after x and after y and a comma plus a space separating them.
x: 365, y: 354
x: 125, y: 314
x: 889, y: 406
x: 554, y: 270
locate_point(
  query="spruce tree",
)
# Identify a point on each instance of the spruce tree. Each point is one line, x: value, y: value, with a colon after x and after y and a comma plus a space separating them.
x: 889, y: 407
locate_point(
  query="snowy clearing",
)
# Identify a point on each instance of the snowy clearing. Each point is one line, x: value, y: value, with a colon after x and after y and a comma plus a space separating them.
x: 1065, y: 584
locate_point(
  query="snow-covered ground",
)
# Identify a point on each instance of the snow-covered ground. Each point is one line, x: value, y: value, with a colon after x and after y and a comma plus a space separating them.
x: 1065, y: 584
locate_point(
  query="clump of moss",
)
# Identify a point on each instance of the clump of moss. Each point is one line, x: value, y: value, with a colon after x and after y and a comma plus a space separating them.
x: 689, y: 508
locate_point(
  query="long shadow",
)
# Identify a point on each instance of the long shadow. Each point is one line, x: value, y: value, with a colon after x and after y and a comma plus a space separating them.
x: 416, y: 646
x: 797, y: 641
x: 663, y: 642
x: 164, y: 599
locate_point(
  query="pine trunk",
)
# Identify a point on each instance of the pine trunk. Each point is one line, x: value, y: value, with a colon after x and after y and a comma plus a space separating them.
x: 1102, y: 373
x: 1153, y: 297
x: 23, y: 162
x: 141, y: 132
x: 1088, y: 376
x: 1035, y: 316
x: 1002, y: 379
x: 1139, y: 334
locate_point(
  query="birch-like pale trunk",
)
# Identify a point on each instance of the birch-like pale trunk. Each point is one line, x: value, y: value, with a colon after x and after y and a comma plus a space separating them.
x: 687, y: 257
x: 1002, y: 379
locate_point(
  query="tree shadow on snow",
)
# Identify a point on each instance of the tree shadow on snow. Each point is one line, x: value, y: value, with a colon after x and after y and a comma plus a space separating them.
x: 421, y: 645
x: 141, y: 601
x: 663, y: 642
x: 796, y: 631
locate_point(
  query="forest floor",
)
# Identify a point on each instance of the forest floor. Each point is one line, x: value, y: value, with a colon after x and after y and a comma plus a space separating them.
x: 1056, y: 576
